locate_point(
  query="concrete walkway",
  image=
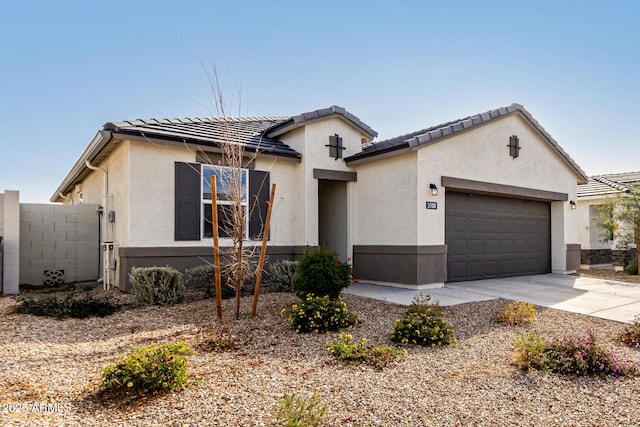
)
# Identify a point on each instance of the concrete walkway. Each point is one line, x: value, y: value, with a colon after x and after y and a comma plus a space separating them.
x: 606, y: 299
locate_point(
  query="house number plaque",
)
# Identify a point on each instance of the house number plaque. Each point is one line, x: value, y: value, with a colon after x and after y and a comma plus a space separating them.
x: 432, y: 205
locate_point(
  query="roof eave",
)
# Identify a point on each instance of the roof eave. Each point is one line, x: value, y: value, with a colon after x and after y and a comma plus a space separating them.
x: 96, y: 145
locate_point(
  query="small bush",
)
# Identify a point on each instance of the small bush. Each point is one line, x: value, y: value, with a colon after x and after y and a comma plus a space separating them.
x: 321, y: 314
x: 71, y: 306
x: 529, y: 352
x: 377, y: 357
x: 204, y: 276
x: 282, y: 275
x: 516, y: 313
x: 583, y: 356
x: 632, y: 267
x: 148, y: 369
x: 321, y: 273
x: 631, y: 334
x: 423, y: 324
x: 295, y: 411
x: 156, y: 286
x: 422, y: 304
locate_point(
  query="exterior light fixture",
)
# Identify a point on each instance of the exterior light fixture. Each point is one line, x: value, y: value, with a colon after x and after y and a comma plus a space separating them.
x: 434, y: 189
x: 573, y: 204
x: 514, y: 146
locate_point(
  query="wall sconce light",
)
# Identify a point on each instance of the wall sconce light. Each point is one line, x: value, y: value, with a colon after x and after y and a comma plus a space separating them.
x: 434, y: 189
x: 573, y: 204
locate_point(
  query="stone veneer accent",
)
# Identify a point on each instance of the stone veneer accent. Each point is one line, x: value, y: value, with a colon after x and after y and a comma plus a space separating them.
x: 595, y: 256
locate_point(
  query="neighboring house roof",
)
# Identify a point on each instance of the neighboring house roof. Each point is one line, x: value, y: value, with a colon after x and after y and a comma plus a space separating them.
x: 439, y: 132
x: 602, y: 185
x: 302, y: 119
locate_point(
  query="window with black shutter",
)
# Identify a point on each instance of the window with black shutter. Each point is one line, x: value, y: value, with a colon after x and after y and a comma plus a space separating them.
x: 194, y: 201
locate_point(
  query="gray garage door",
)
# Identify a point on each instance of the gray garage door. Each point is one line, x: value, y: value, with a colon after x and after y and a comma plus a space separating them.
x: 490, y: 237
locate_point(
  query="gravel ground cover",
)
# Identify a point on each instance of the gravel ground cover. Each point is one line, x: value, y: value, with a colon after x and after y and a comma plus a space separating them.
x: 50, y: 371
x: 610, y: 274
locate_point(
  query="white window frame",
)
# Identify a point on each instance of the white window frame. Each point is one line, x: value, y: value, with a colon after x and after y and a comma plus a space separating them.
x: 204, y: 202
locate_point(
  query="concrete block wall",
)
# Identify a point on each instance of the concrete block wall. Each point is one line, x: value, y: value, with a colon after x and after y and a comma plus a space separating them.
x: 10, y: 241
x: 56, y: 239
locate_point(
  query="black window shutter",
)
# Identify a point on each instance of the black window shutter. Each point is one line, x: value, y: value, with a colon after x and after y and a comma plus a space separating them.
x: 188, y: 201
x: 259, y: 191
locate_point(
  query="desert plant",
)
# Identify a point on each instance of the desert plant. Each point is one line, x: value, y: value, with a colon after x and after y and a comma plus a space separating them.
x: 584, y: 356
x: 295, y: 411
x: 148, y: 369
x: 343, y: 348
x: 423, y: 324
x: 204, y: 276
x: 631, y: 333
x: 422, y: 304
x: 321, y: 314
x: 632, y: 267
x: 321, y: 273
x: 156, y: 285
x: 216, y: 338
x: 515, y: 313
x: 529, y: 352
x: 71, y: 306
x: 282, y: 275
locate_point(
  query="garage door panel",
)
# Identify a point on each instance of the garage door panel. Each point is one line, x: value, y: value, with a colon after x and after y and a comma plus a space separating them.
x: 490, y: 236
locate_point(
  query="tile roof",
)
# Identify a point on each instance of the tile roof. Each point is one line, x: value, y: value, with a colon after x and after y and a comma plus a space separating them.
x: 210, y: 132
x: 615, y: 183
x: 435, y: 133
x: 301, y: 119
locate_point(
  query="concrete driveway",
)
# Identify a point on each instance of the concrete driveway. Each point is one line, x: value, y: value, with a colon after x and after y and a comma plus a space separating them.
x: 606, y: 299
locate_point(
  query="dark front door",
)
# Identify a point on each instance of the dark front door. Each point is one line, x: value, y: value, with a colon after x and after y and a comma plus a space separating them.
x: 489, y: 237
x: 332, y: 216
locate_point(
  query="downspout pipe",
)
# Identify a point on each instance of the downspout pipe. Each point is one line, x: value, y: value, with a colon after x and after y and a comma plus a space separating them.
x: 106, y: 283
x: 66, y: 198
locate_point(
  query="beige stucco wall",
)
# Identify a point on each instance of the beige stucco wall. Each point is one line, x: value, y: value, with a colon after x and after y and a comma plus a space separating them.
x: 387, y: 201
x: 311, y: 140
x: 481, y: 154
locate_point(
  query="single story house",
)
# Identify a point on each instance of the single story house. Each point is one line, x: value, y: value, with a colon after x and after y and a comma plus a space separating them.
x: 484, y: 196
x: 597, y: 247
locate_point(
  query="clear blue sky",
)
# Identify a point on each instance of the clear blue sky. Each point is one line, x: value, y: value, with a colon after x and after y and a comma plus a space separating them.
x: 67, y: 67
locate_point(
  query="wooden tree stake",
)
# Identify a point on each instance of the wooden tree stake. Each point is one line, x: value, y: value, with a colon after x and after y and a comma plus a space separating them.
x: 216, y: 247
x: 265, y: 236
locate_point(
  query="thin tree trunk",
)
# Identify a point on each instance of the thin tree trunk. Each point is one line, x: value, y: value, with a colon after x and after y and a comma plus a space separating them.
x: 239, y: 271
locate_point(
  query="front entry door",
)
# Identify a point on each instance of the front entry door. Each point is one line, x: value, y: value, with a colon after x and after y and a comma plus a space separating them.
x: 332, y: 216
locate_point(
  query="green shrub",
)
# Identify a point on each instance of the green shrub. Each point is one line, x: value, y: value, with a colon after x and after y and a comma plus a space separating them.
x: 148, y: 369
x: 529, y: 352
x: 346, y: 350
x: 203, y: 276
x: 321, y: 314
x: 295, y: 411
x: 632, y: 267
x: 631, y: 333
x: 156, y: 286
x: 282, y: 275
x: 516, y: 313
x: 422, y: 304
x: 423, y: 324
x: 71, y: 306
x: 321, y: 273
